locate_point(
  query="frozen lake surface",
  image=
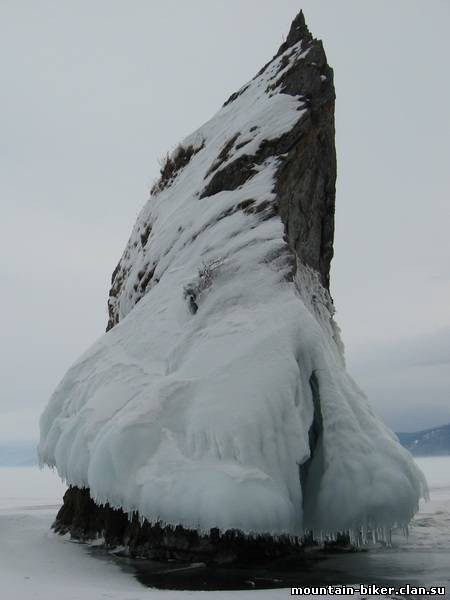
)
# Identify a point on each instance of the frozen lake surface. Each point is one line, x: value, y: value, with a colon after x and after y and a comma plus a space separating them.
x: 36, y: 564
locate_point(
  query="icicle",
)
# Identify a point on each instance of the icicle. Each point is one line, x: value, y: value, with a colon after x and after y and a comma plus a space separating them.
x: 351, y: 535
x: 389, y: 537
x: 364, y: 535
x: 379, y: 535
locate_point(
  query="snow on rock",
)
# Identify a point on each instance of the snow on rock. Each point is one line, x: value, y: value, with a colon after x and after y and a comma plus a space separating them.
x: 219, y: 397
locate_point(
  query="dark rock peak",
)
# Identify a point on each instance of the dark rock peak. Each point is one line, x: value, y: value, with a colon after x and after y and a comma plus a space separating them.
x: 305, y: 182
x: 298, y: 32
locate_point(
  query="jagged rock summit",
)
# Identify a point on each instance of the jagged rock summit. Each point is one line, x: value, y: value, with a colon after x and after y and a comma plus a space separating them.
x: 216, y: 413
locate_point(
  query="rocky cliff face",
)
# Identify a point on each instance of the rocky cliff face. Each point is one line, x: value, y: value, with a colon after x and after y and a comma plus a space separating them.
x: 217, y: 405
x: 304, y: 183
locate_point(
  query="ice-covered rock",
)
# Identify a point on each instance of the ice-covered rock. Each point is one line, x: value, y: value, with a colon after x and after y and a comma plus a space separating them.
x: 218, y: 399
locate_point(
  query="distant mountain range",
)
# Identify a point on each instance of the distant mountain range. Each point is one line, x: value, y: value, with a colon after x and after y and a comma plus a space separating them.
x: 429, y: 442
x: 18, y: 454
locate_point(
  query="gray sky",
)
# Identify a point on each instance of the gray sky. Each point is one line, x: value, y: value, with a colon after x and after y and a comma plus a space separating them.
x: 93, y: 92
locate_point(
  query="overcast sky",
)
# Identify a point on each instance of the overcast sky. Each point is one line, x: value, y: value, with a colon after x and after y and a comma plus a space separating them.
x: 94, y: 92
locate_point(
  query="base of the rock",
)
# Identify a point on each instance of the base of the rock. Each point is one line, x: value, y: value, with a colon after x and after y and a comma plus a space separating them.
x: 85, y: 520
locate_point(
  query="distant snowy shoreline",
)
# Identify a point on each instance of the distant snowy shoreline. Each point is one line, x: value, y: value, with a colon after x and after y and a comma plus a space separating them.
x: 18, y: 454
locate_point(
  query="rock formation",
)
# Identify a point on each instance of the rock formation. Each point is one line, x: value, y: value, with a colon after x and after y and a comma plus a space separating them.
x: 215, y: 419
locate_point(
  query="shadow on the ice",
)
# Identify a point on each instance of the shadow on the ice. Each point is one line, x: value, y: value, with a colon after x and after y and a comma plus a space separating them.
x: 380, y: 566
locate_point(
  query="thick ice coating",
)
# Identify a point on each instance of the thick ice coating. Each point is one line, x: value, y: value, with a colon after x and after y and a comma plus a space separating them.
x: 219, y: 397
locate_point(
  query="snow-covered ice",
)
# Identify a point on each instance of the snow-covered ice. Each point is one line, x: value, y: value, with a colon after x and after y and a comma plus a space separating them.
x: 203, y: 419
